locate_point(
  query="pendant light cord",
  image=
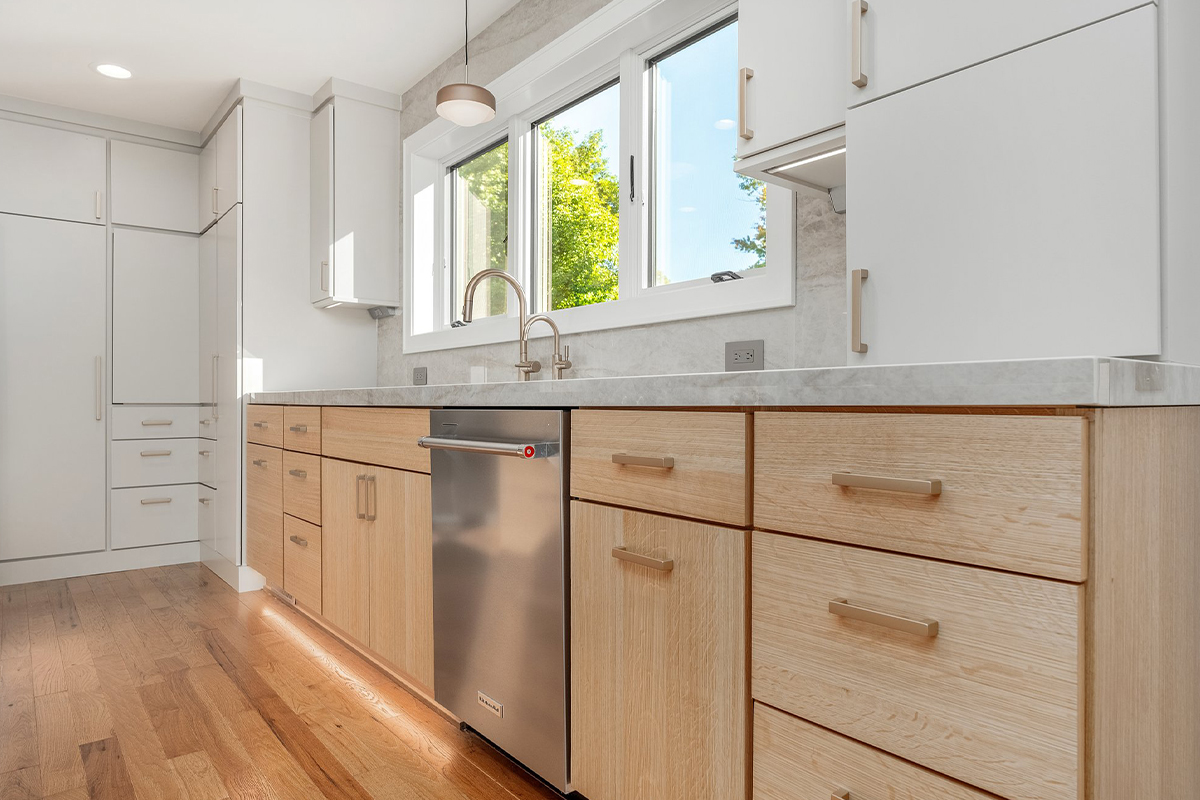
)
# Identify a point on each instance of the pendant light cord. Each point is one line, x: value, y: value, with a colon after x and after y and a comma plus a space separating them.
x: 466, y: 45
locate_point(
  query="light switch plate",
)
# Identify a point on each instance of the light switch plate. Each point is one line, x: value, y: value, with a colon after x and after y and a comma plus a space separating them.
x: 741, y: 356
x: 420, y: 376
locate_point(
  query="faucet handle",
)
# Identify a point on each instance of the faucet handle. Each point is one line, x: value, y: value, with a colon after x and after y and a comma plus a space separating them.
x: 562, y: 362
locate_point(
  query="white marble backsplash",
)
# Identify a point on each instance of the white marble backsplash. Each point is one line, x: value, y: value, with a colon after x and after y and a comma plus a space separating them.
x: 812, y: 334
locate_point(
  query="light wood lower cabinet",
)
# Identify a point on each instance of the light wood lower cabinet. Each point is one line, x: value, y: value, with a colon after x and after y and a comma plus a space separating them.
x: 264, y: 512
x: 346, y: 549
x: 658, y: 658
x: 302, y: 561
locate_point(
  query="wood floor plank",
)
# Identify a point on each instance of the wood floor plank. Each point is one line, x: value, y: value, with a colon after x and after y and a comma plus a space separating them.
x: 200, y: 777
x: 287, y: 776
x: 177, y: 731
x: 58, y: 748
x: 48, y: 674
x: 21, y: 784
x: 93, y: 721
x: 18, y: 726
x: 104, y: 765
x: 14, y: 628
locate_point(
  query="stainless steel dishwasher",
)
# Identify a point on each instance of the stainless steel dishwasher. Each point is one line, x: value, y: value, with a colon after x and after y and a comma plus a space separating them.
x: 501, y: 580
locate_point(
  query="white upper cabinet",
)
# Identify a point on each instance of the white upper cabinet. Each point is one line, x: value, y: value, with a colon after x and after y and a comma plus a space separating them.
x: 355, y: 167
x: 45, y: 172
x: 207, y: 355
x: 206, y: 189
x: 1011, y: 210
x: 793, y: 61
x: 906, y: 42
x: 226, y: 145
x: 156, y: 325
x: 153, y: 187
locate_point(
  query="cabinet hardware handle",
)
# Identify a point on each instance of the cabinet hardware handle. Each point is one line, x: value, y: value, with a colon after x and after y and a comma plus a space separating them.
x: 299, y: 541
x: 920, y: 627
x: 660, y: 564
x: 858, y: 9
x: 299, y: 429
x: 857, y: 278
x: 372, y: 504
x: 324, y: 276
x: 155, y: 423
x: 206, y: 453
x: 215, y: 416
x: 155, y: 453
x: 99, y: 211
x: 205, y: 500
x: 358, y: 483
x: 744, y: 129
x: 930, y: 487
x: 206, y: 422
x: 99, y: 378
x: 261, y: 425
x: 841, y: 794
x: 664, y: 462
x: 259, y: 462
x: 214, y: 201
x: 156, y: 501
x: 297, y: 473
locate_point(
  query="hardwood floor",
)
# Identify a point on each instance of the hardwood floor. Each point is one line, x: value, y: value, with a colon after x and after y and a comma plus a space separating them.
x: 165, y: 683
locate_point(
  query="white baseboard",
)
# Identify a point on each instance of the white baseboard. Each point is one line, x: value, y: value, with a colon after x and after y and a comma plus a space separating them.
x: 72, y: 566
x: 243, y: 579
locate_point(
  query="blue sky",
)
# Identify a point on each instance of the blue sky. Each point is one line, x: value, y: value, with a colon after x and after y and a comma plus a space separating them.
x: 702, y: 208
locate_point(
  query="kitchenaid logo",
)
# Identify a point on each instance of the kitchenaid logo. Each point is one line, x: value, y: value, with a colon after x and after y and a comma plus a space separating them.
x: 490, y: 704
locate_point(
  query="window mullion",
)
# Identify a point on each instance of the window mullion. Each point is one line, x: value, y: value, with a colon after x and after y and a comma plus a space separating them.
x: 633, y: 174
x: 520, y: 179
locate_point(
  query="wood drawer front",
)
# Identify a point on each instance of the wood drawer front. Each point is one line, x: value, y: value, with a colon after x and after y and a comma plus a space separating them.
x: 707, y: 479
x: 1013, y: 489
x: 149, y: 422
x: 264, y: 512
x: 264, y: 425
x: 994, y: 699
x: 384, y: 436
x: 155, y: 515
x: 156, y: 463
x: 302, y: 561
x: 302, y: 429
x: 302, y: 486
x: 796, y: 760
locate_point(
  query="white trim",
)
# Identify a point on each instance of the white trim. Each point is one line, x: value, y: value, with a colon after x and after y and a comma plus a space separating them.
x: 76, y: 564
x: 53, y: 116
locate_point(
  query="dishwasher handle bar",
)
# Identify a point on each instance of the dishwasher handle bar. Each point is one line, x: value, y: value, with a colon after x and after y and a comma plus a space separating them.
x: 524, y: 450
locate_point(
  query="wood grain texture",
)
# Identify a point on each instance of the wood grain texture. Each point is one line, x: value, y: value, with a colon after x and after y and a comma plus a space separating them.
x: 345, y: 550
x: 796, y: 760
x: 402, y: 574
x: 302, y: 495
x: 383, y: 436
x: 269, y: 416
x: 107, y: 777
x: 709, y: 477
x: 303, y: 441
x: 58, y: 749
x: 264, y: 512
x: 658, y: 692
x: 302, y: 562
x: 1013, y: 488
x: 993, y: 700
x: 1144, y: 605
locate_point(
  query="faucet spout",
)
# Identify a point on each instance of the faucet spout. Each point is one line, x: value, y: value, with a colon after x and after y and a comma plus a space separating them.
x: 524, y: 366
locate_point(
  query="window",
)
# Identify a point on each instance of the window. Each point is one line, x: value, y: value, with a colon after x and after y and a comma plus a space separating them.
x: 577, y: 221
x: 480, y: 191
x: 605, y: 186
x: 706, y: 218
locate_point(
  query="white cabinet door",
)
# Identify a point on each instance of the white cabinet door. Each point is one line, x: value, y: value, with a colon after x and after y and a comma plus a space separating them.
x: 321, y: 205
x: 52, y: 440
x: 798, y: 51
x: 206, y: 188
x: 1011, y: 210
x: 155, y: 317
x: 906, y: 42
x: 45, y: 172
x: 228, y: 412
x: 154, y: 187
x: 228, y: 145
x: 155, y: 515
x: 206, y: 364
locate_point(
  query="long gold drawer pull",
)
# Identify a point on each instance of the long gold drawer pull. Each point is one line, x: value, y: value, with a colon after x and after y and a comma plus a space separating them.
x: 660, y: 564
x: 665, y: 462
x: 920, y: 627
x: 155, y: 453
x: 261, y: 425
x: 156, y: 501
x: 258, y: 462
x: 299, y: 541
x: 155, y: 423
x: 297, y: 473
x: 298, y: 429
x: 887, y: 484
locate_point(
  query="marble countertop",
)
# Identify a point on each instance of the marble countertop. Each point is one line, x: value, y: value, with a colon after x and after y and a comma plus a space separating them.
x: 1036, y: 382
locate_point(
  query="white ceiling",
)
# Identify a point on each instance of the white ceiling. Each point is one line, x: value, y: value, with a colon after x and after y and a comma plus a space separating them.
x: 186, y: 54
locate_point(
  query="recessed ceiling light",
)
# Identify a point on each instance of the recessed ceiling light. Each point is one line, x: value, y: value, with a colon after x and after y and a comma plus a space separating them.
x: 112, y: 71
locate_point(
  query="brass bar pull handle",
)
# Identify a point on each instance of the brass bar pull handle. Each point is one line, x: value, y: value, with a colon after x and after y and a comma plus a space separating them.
x: 842, y: 794
x: 857, y: 10
x: 299, y: 429
x: 660, y: 564
x: 206, y: 453
x: 259, y: 462
x: 299, y: 541
x: 744, y: 129
x: 215, y: 373
x: 857, y: 278
x: 297, y: 473
x: 156, y: 501
x: 372, y: 500
x: 156, y: 423
x: 206, y: 500
x: 261, y: 425
x: 930, y: 487
x: 918, y: 627
x: 155, y: 453
x: 214, y: 201
x: 662, y: 462
x: 99, y: 204
x: 324, y: 276
x: 358, y: 484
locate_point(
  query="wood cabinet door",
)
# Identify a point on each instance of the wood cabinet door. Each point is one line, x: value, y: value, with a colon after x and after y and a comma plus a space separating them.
x: 264, y: 512
x: 345, y: 548
x: 658, y: 658
x: 401, y: 550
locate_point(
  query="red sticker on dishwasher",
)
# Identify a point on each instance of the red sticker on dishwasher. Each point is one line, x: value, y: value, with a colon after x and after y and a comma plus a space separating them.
x: 529, y: 451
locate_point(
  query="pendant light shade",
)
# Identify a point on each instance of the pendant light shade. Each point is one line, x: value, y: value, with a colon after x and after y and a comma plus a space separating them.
x: 466, y: 103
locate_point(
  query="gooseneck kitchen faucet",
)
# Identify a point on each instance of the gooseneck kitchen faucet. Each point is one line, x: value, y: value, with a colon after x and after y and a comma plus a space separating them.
x: 525, y: 367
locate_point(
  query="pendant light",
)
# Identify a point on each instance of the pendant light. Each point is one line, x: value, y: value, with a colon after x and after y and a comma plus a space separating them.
x: 466, y: 103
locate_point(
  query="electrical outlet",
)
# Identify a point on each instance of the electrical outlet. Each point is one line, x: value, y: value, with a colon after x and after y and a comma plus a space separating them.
x: 420, y: 376
x: 741, y: 356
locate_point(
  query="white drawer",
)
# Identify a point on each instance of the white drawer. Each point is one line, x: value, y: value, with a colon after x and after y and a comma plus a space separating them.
x: 157, y: 462
x: 206, y: 458
x: 206, y: 510
x: 155, y: 515
x: 155, y: 422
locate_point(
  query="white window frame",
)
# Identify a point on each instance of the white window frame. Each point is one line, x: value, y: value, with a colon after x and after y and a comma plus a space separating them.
x: 616, y: 42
